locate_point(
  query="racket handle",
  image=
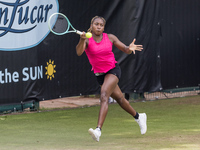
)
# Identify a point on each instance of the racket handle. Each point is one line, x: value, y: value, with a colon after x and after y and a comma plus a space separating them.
x: 79, y: 32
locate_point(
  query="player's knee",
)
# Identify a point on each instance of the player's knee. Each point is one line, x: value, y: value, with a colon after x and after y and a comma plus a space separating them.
x: 121, y: 100
x: 104, y: 97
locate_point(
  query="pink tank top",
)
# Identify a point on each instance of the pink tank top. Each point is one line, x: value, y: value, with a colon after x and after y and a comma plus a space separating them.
x: 100, y: 55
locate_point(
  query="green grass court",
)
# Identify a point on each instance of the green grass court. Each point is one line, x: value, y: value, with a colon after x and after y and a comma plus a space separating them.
x: 173, y: 124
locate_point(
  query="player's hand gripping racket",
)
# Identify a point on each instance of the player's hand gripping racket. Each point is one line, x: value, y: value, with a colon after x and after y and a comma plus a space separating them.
x: 59, y: 24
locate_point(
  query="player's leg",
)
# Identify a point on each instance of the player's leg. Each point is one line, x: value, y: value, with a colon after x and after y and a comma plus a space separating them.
x: 119, y: 97
x: 141, y: 118
x: 110, y: 83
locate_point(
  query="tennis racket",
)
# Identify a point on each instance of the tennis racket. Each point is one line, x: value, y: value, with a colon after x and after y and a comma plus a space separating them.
x: 59, y: 24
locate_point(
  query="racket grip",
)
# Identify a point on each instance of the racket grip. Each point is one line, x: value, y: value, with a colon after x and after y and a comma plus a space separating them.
x: 79, y: 32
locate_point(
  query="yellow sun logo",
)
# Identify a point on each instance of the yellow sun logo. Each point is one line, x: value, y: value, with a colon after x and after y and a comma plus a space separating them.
x: 50, y: 69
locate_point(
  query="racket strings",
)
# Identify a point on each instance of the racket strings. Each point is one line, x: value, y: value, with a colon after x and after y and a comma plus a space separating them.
x: 59, y: 24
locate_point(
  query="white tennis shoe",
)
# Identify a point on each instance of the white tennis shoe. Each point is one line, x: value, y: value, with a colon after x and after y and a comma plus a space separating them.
x: 95, y: 133
x: 142, y: 121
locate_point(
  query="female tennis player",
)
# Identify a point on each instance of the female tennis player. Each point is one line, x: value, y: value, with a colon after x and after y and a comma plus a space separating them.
x: 99, y: 52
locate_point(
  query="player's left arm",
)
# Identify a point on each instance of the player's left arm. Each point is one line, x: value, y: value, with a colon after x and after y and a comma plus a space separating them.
x: 121, y: 46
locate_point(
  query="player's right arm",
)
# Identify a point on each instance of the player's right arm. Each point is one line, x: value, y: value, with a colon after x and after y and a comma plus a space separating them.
x: 82, y: 45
